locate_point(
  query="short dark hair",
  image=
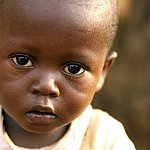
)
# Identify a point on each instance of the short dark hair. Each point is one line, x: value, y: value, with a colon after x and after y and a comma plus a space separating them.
x: 114, y: 21
x: 113, y: 18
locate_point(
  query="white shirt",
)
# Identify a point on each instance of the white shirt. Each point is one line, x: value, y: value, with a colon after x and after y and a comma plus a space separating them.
x: 105, y: 133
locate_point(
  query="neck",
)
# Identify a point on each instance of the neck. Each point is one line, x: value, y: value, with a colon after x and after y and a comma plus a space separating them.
x: 23, y: 138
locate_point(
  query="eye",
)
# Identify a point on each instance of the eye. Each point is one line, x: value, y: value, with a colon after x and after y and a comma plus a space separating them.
x: 74, y: 69
x: 22, y: 61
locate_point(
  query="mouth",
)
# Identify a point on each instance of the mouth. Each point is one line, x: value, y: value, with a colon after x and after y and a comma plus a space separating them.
x: 41, y: 114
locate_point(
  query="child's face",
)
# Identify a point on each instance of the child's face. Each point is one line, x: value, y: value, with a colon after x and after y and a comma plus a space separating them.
x: 51, y: 58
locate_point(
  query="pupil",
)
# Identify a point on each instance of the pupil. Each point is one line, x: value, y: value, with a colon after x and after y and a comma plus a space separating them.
x: 22, y: 60
x: 74, y: 69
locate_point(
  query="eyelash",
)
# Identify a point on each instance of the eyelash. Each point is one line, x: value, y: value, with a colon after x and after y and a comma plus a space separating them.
x: 27, y: 61
x: 78, y: 67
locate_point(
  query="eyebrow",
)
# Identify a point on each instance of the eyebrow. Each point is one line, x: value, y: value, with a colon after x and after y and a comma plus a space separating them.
x: 85, y: 57
x: 31, y: 48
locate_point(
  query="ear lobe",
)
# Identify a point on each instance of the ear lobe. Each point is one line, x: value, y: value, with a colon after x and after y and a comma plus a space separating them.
x: 110, y: 59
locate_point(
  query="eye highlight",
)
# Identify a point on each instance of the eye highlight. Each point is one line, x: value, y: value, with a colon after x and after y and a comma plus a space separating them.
x: 74, y: 69
x: 22, y: 60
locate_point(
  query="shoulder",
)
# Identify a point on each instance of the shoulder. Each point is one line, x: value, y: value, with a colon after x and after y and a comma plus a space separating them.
x: 3, y: 142
x: 106, y: 133
x: 103, y: 121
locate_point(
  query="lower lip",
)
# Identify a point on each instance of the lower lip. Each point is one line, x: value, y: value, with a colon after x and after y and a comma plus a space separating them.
x: 40, y: 118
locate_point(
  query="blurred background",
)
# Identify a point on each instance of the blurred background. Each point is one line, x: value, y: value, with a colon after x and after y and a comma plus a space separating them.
x: 126, y: 93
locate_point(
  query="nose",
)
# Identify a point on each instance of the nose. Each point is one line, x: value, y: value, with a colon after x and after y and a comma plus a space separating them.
x: 45, y: 85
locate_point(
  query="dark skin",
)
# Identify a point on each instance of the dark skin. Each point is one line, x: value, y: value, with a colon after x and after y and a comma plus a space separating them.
x: 53, y: 54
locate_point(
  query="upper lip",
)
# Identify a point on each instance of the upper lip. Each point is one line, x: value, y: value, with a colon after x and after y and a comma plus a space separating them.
x: 42, y: 109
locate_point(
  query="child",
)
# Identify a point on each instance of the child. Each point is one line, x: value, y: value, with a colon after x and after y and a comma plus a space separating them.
x: 54, y: 56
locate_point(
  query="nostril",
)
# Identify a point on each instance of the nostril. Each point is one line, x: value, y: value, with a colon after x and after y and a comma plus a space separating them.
x: 35, y: 92
x: 50, y: 94
x: 45, y: 87
x: 45, y: 91
x: 53, y: 94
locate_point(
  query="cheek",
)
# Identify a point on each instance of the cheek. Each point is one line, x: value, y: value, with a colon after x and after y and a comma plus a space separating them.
x: 12, y: 94
x: 78, y: 96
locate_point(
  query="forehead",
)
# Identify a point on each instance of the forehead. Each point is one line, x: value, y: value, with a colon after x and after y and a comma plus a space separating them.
x: 74, y: 18
x: 85, y: 15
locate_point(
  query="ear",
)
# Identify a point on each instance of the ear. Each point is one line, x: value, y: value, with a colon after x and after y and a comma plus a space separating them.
x: 109, y: 61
